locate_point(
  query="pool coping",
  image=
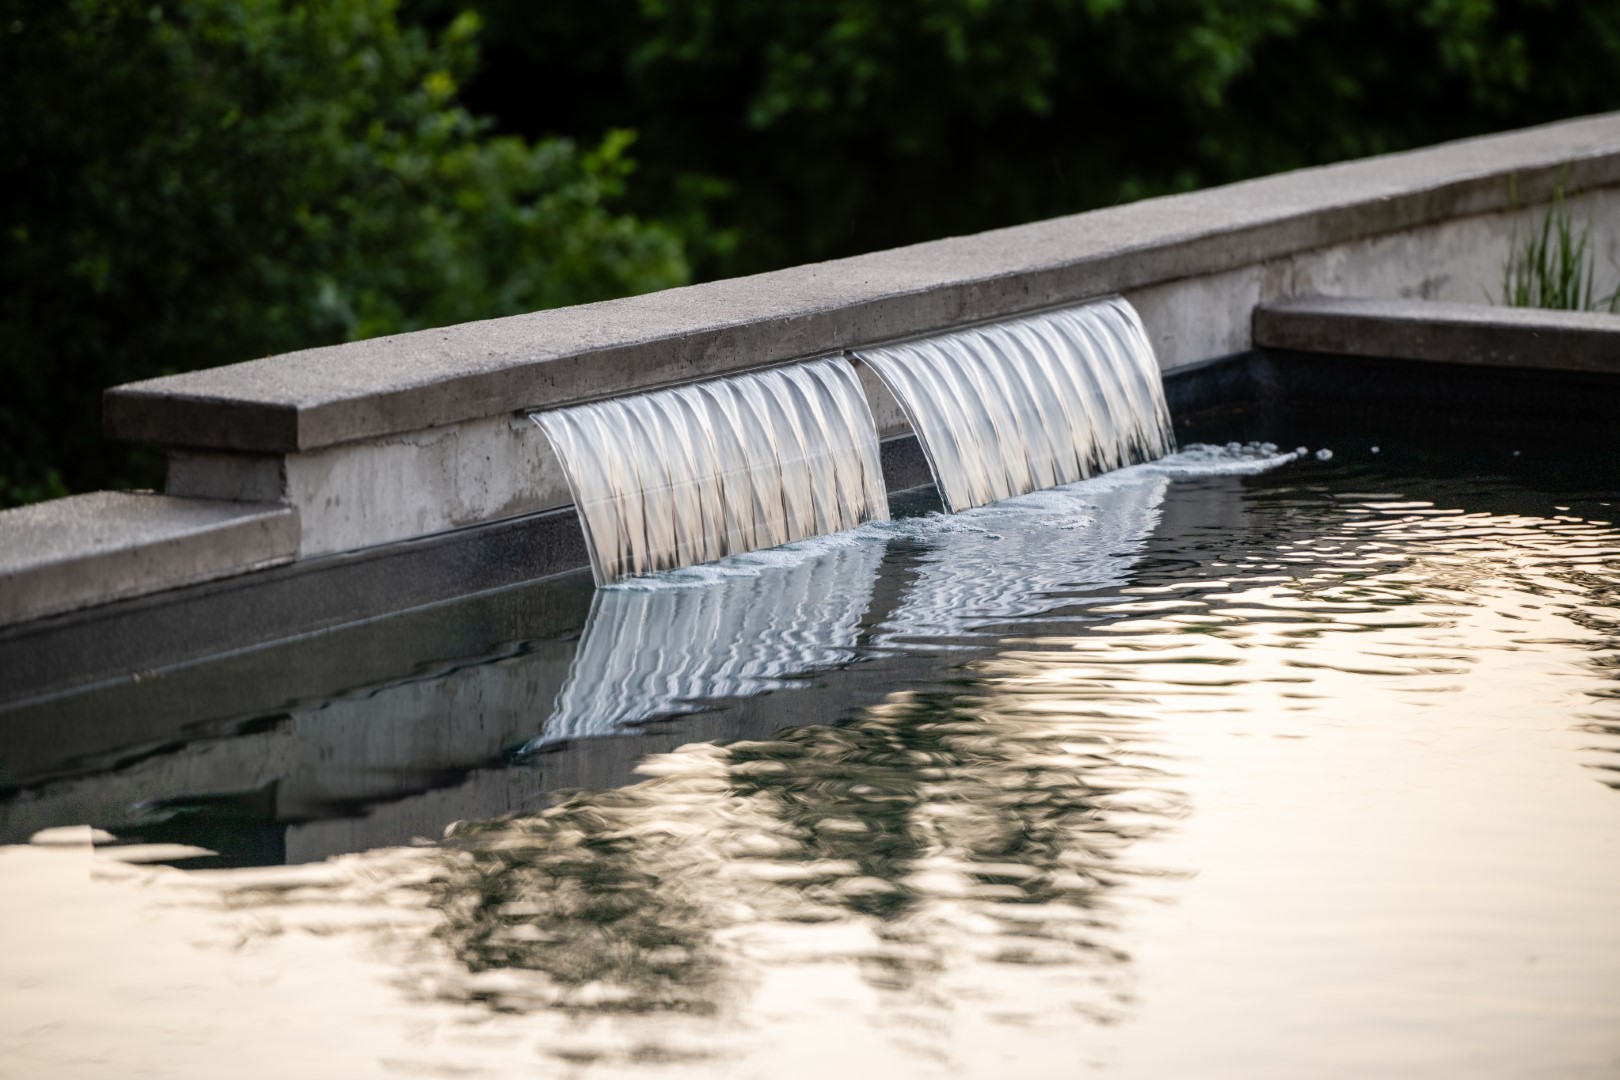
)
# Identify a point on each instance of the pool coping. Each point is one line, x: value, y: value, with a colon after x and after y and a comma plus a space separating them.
x: 1479, y: 334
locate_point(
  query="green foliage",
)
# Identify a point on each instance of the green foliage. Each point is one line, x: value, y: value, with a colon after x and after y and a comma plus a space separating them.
x: 193, y: 182
x: 785, y: 131
x: 1555, y: 267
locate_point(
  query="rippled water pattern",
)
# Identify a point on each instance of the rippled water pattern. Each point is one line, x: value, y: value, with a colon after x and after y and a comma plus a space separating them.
x: 1314, y: 773
x: 655, y: 647
x: 693, y: 473
x: 1030, y: 403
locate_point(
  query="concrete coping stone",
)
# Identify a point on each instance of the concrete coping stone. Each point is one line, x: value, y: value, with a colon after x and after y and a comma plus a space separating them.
x: 1481, y: 334
x: 409, y: 382
x: 89, y: 549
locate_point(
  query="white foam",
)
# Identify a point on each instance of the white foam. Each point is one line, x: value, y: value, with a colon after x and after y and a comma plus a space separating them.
x: 1233, y: 459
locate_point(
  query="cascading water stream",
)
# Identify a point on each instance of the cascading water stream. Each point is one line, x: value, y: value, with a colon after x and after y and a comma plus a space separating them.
x: 693, y: 473
x: 690, y: 474
x: 1029, y: 403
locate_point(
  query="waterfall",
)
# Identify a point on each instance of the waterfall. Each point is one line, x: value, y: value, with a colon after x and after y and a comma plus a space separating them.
x: 687, y: 475
x: 1030, y: 403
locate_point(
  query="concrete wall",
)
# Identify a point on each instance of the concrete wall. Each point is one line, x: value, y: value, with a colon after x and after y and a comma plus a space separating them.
x: 358, y: 494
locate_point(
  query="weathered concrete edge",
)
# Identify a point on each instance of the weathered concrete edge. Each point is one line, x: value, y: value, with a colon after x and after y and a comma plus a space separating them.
x: 170, y: 543
x: 323, y: 397
x: 1443, y: 332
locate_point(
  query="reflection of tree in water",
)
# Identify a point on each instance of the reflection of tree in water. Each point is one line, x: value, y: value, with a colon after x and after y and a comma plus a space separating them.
x: 985, y: 826
x: 1427, y: 553
x: 1599, y: 613
x: 607, y: 897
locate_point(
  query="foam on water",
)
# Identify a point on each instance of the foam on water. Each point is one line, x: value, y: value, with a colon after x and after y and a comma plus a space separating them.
x: 1233, y: 459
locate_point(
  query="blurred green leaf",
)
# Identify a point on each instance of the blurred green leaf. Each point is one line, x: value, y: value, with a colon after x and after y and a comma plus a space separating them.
x: 196, y: 182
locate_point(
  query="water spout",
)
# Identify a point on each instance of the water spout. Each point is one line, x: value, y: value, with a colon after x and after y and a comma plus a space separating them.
x: 693, y: 473
x: 1030, y: 403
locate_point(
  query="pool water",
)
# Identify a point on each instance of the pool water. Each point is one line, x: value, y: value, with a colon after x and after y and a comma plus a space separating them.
x: 1250, y: 764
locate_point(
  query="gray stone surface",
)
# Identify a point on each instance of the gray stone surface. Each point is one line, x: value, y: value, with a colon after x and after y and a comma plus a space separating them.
x: 396, y: 487
x: 323, y: 397
x: 160, y: 631
x: 88, y: 549
x: 1447, y: 333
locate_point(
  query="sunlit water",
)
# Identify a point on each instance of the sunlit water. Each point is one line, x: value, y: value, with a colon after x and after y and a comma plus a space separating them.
x: 1180, y: 772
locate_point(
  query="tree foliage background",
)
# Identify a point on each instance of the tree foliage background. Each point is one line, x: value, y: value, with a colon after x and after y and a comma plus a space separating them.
x: 192, y: 182
x: 195, y: 182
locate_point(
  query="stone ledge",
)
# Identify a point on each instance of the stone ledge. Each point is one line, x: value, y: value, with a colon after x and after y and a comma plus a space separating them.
x: 1480, y: 334
x: 89, y: 549
x: 364, y: 390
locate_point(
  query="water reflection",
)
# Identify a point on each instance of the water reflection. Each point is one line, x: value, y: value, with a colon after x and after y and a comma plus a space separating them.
x: 988, y: 567
x: 655, y: 646
x: 1321, y: 759
x: 930, y: 835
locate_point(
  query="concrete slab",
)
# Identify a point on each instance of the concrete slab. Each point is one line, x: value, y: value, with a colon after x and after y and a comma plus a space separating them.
x: 88, y: 549
x: 392, y: 488
x: 363, y: 390
x: 1446, y: 333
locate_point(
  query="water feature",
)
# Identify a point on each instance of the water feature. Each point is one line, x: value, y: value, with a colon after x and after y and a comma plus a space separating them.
x: 1011, y: 407
x: 693, y: 473
x: 688, y: 475
x: 685, y: 640
x: 1302, y: 771
x: 1241, y: 762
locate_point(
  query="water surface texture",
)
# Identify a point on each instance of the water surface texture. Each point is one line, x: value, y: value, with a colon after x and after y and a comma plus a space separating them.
x: 1011, y: 407
x: 693, y: 473
x: 1243, y: 764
